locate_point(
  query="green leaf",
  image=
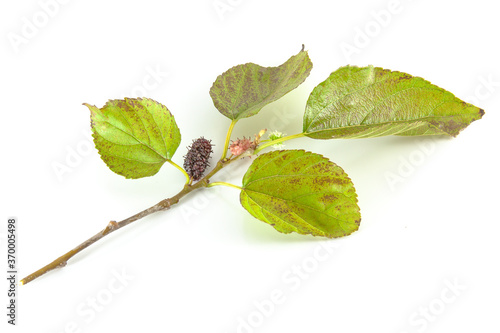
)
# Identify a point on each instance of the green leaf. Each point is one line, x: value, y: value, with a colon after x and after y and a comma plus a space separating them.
x: 295, y: 190
x: 242, y: 91
x: 363, y: 102
x: 134, y: 136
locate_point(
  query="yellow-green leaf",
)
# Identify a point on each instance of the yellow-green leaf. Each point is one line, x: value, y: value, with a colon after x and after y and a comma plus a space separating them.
x: 303, y: 192
x: 363, y: 102
x: 134, y: 136
x: 243, y: 90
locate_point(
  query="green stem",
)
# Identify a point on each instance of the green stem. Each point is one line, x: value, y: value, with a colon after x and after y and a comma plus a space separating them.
x: 228, y: 137
x: 285, y: 138
x: 225, y: 184
x: 181, y: 169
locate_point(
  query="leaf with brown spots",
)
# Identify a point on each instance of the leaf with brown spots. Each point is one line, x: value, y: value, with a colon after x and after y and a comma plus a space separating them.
x: 365, y: 102
x: 134, y: 136
x: 243, y: 90
x: 303, y: 192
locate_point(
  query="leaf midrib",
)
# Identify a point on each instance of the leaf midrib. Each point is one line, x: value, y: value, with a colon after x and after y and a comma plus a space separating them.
x: 300, y: 196
x: 297, y: 229
x: 132, y: 136
x: 303, y: 205
x: 389, y: 122
x: 369, y: 112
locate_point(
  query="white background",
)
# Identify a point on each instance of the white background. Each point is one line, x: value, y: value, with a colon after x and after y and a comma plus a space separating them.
x: 207, y: 265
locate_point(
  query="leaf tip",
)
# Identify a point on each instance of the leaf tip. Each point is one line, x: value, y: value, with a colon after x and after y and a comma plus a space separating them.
x: 92, y: 108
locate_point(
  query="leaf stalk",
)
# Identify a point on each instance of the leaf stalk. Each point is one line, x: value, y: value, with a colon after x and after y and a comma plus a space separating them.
x: 274, y: 142
x: 188, y: 179
x: 228, y: 138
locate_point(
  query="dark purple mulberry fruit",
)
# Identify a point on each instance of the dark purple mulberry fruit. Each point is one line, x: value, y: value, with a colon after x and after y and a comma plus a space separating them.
x: 196, y: 159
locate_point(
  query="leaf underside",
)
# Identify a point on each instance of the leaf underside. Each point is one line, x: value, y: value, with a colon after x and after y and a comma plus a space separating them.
x: 303, y: 192
x: 364, y: 102
x: 243, y: 90
x: 134, y: 136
